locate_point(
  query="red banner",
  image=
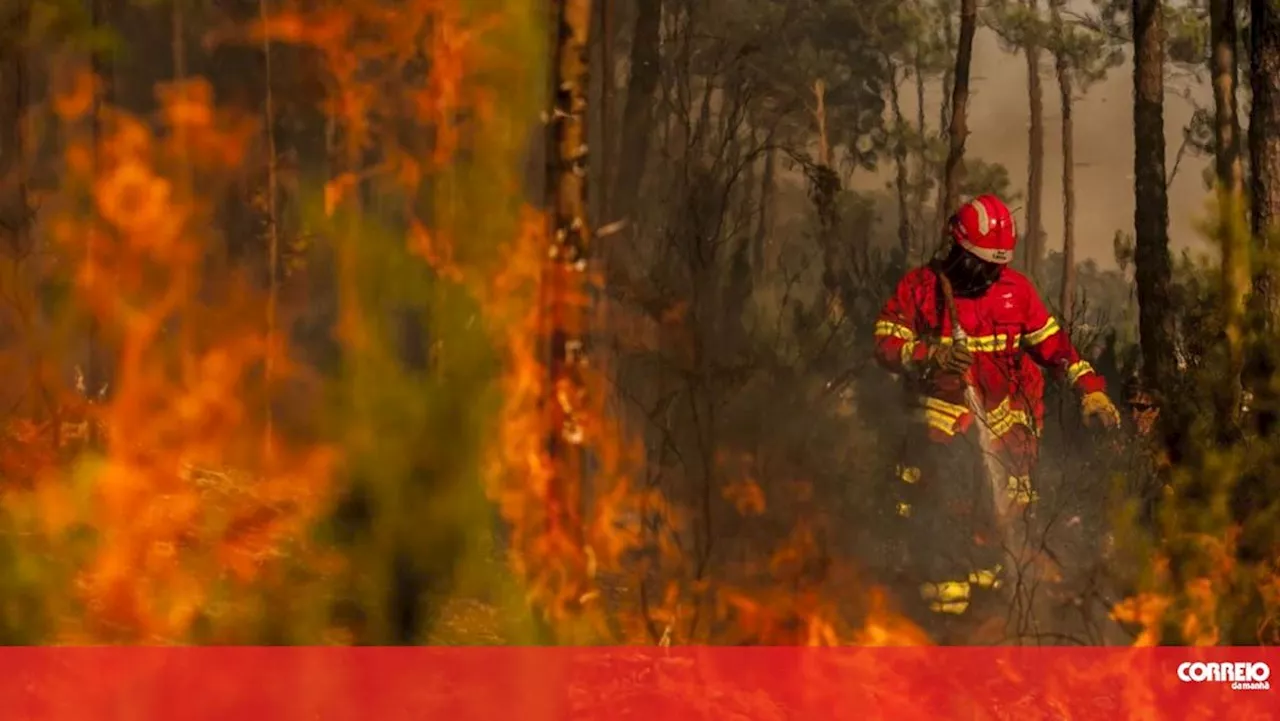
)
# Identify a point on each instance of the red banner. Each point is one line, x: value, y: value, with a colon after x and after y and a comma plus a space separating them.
x: 713, y: 683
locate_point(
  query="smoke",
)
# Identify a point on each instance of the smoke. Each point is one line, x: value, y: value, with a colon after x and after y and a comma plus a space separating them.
x: 998, y: 120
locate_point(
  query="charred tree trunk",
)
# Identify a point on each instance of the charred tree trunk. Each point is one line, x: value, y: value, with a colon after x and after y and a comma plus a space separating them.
x: 95, y: 373
x: 1264, y: 152
x: 921, y: 190
x: 761, y: 258
x: 900, y: 163
x: 959, y: 131
x: 178, y: 46
x: 1067, y: 299
x: 602, y: 139
x: 637, y: 113
x: 1152, y: 264
x: 948, y: 75
x: 1034, y: 232
x: 820, y: 122
x: 15, y: 201
x: 1153, y: 267
x: 273, y: 230
x: 1230, y: 180
x: 1062, y: 67
x: 563, y: 280
x: 1256, y: 492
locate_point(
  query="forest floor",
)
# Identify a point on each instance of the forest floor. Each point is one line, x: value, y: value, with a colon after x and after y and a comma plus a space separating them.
x: 469, y: 622
x: 1070, y: 597
x: 1069, y: 605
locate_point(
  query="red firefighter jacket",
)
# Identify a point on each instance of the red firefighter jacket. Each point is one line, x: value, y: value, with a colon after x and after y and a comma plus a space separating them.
x: 1010, y: 333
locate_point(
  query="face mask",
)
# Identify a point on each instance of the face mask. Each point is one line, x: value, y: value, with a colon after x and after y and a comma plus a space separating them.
x: 970, y: 275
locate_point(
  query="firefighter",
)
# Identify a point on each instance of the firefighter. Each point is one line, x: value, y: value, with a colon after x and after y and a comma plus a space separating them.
x: 1148, y: 459
x: 954, y: 555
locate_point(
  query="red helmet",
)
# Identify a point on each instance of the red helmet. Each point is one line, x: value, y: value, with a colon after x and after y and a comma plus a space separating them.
x: 984, y: 226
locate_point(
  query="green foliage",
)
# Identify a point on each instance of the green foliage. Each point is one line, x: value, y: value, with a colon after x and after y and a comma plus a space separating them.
x: 1017, y: 24
x: 1187, y: 28
x: 1106, y: 296
x: 1088, y: 49
x: 415, y: 401
x: 59, y: 21
x: 981, y: 176
x: 783, y: 49
x: 413, y: 437
x: 1215, y: 522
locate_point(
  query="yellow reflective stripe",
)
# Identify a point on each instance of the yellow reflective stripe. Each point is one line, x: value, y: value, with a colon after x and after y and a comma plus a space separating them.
x: 906, y: 355
x: 904, y: 510
x: 887, y: 329
x: 986, y: 343
x: 978, y: 344
x: 1003, y: 418
x: 1020, y: 490
x: 908, y: 474
x: 945, y: 591
x: 941, y: 415
x: 991, y: 343
x: 953, y: 596
x: 1050, y: 327
x: 1078, y: 369
x: 1002, y: 423
x: 943, y: 407
x: 986, y: 578
x: 940, y: 422
x: 944, y: 416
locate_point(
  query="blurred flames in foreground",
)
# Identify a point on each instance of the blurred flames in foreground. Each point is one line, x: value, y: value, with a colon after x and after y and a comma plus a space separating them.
x: 560, y: 575
x: 178, y: 519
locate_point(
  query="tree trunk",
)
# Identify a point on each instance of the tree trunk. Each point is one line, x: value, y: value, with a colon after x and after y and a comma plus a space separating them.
x: 1230, y: 180
x: 15, y: 203
x: 1153, y: 268
x: 602, y: 139
x: 945, y: 122
x: 563, y: 315
x: 178, y: 56
x: 743, y: 192
x: 762, y: 258
x: 637, y: 114
x: 1264, y: 152
x: 900, y: 163
x: 921, y: 190
x: 948, y: 75
x: 1256, y: 490
x: 1062, y: 67
x: 273, y: 232
x: 1157, y: 330
x: 959, y: 131
x: 1034, y: 232
x: 820, y: 122
x: 1223, y: 38
x: 1068, y: 297
x: 178, y: 40
x: 95, y: 372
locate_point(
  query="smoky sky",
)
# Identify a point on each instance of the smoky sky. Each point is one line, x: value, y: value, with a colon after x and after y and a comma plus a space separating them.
x: 1103, y: 118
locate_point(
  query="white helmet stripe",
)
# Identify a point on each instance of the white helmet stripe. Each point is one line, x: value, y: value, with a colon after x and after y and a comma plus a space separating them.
x: 984, y: 220
x: 991, y: 255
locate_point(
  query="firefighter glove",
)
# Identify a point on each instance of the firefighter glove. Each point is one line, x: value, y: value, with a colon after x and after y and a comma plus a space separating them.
x: 951, y: 358
x: 1098, y: 408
